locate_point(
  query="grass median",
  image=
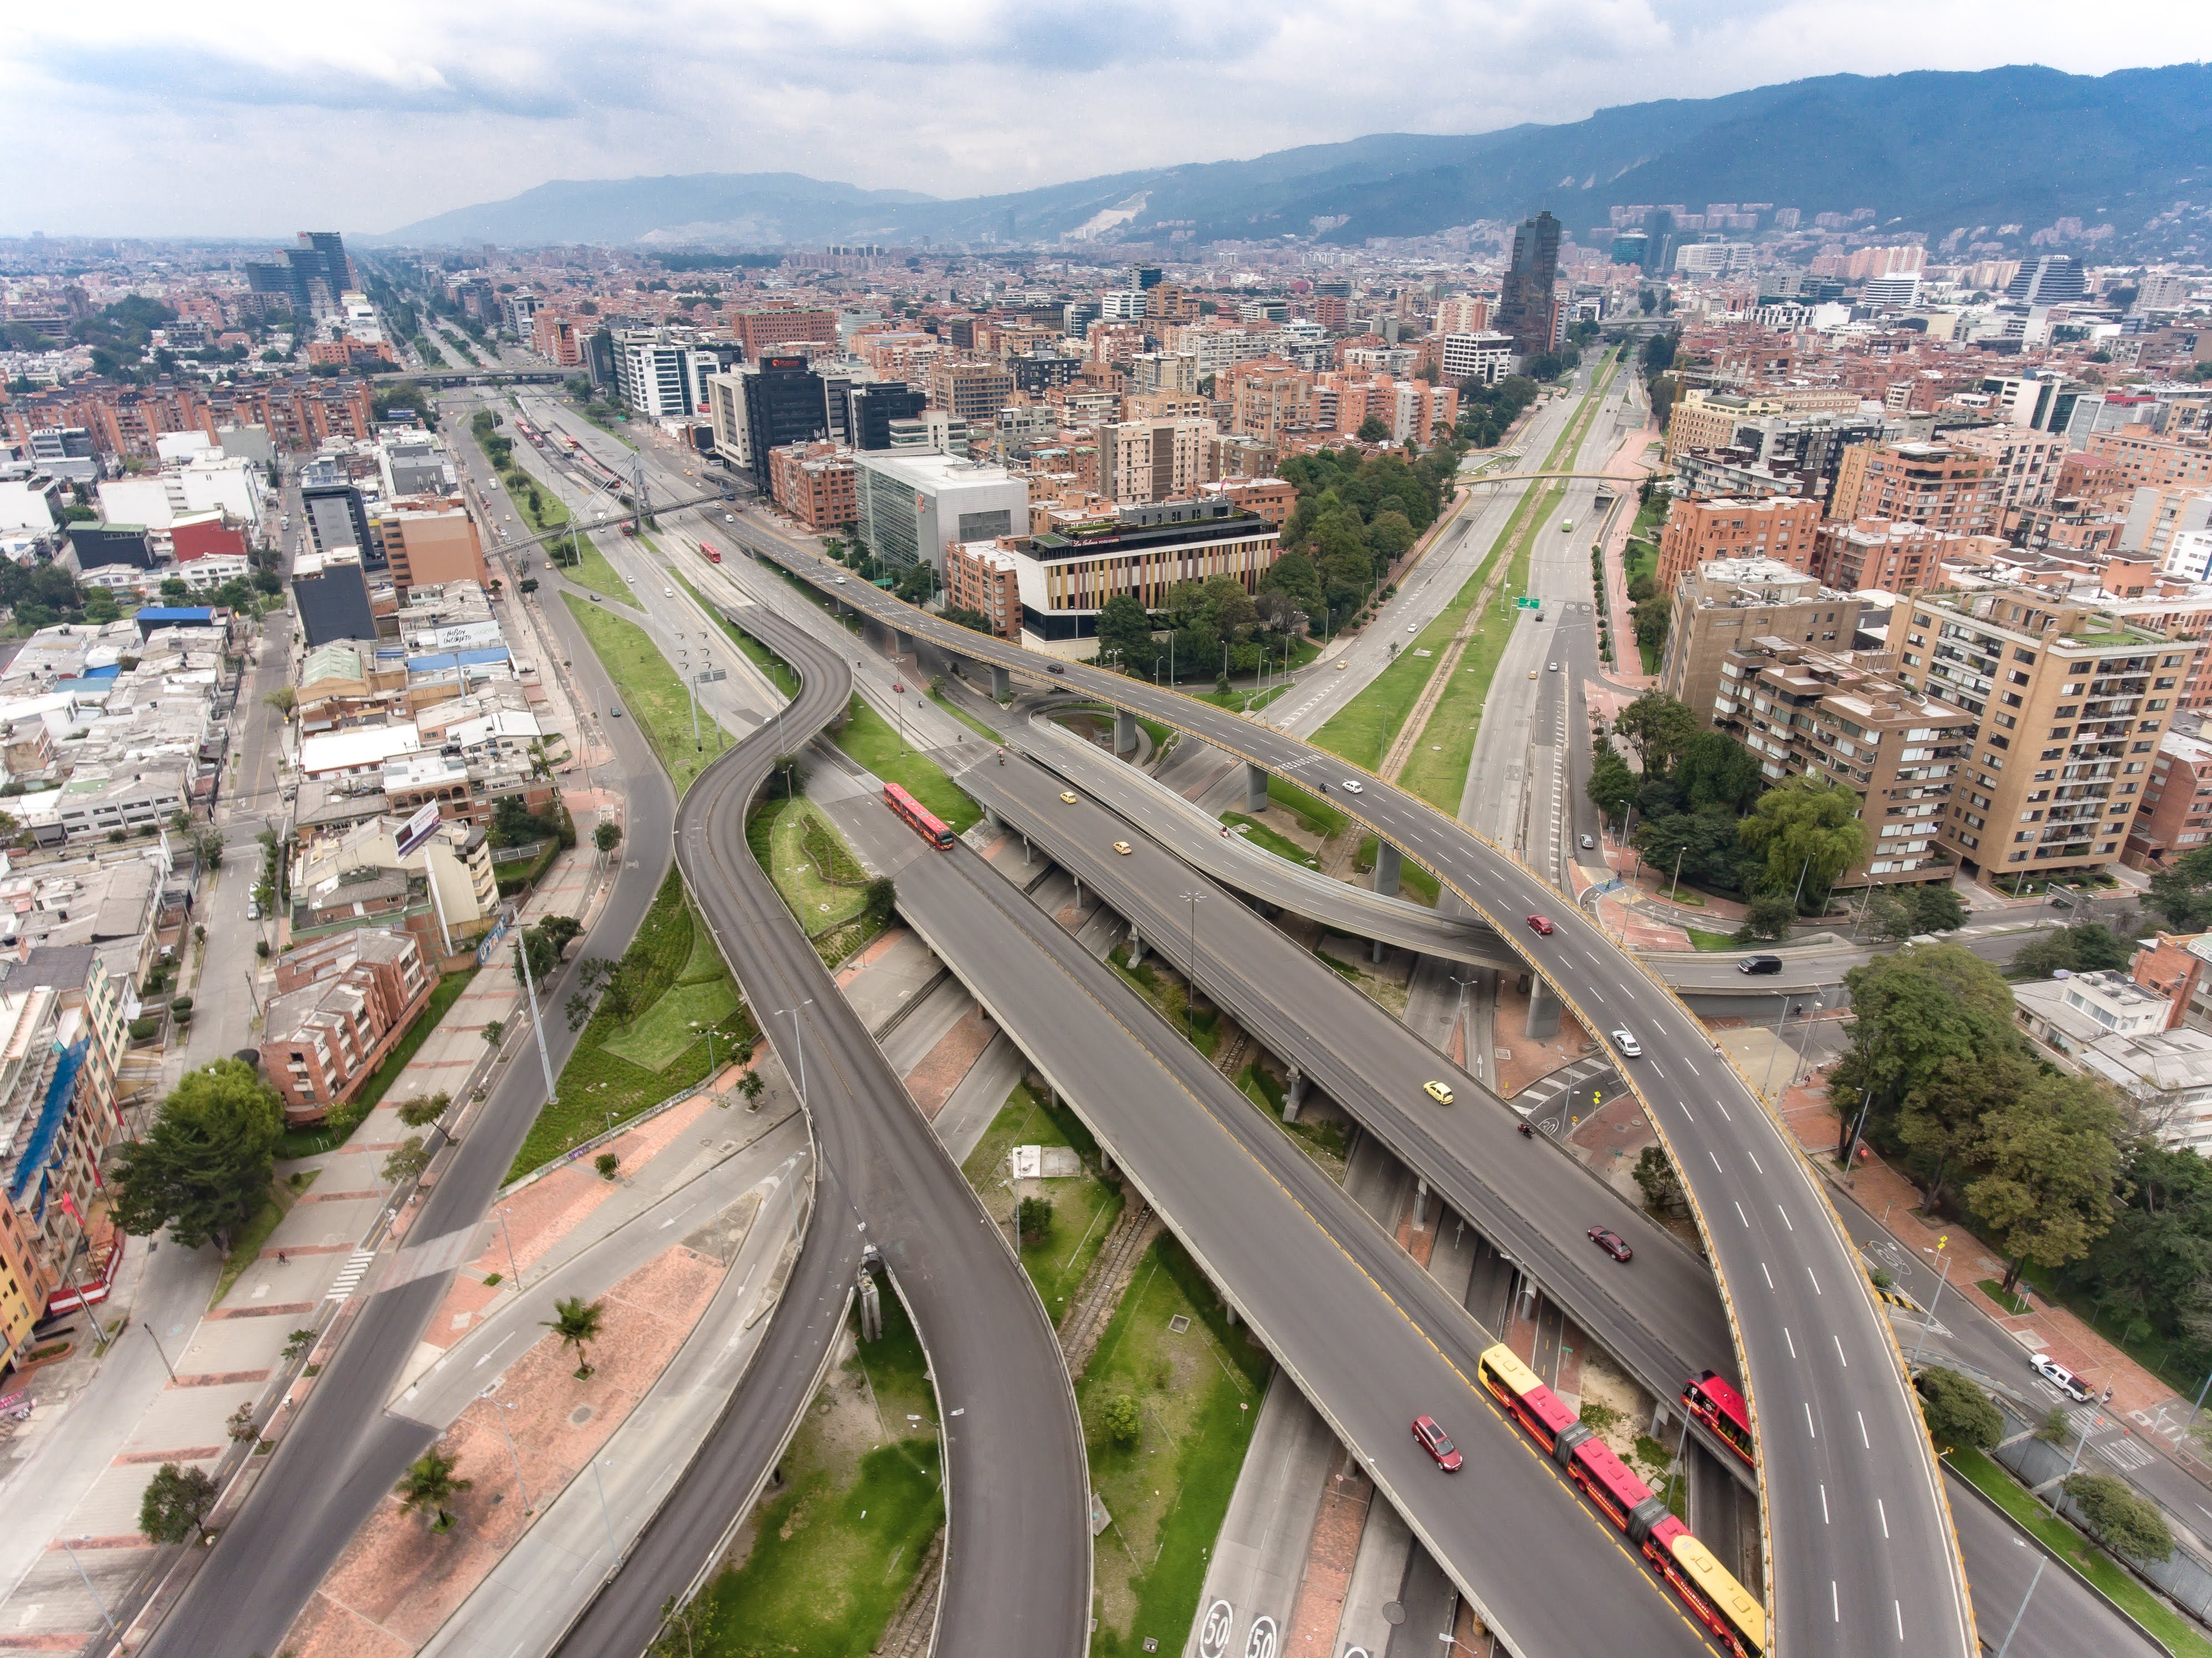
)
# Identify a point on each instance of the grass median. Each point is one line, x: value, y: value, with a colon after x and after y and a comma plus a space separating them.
x: 654, y: 696
x: 1084, y: 1207
x: 683, y: 993
x: 1260, y: 836
x: 1192, y: 1395
x: 825, y: 1561
x: 2109, y: 1578
x: 591, y: 570
x: 872, y: 740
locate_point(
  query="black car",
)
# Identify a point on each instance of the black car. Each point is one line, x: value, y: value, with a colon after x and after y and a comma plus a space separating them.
x: 1759, y: 964
x: 1055, y: 667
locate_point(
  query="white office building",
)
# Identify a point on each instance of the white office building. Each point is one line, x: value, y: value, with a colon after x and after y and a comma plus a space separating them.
x: 912, y: 502
x: 662, y: 375
x: 1486, y: 357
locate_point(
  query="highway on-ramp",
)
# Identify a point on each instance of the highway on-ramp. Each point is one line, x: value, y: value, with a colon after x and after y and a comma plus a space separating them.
x: 1016, y: 1571
x: 1839, y: 1433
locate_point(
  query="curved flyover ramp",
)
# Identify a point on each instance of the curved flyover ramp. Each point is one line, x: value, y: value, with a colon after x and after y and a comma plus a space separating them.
x: 1017, y: 1574
x: 1837, y: 1421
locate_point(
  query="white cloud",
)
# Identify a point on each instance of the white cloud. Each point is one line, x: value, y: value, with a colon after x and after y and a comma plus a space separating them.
x: 254, y: 117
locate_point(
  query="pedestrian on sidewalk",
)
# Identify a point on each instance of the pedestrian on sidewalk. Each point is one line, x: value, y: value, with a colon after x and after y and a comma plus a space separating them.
x: 282, y: 1259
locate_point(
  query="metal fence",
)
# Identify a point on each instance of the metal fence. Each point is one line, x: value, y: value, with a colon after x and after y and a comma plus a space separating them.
x: 2185, y: 1579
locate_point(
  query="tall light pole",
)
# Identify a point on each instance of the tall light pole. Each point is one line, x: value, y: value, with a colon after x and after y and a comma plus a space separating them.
x: 166, y: 1365
x: 536, y: 1014
x: 2022, y: 1613
x: 1942, y: 1244
x: 88, y: 1588
x: 798, y: 1043
x: 499, y: 1409
x: 513, y: 1271
x: 1190, y: 995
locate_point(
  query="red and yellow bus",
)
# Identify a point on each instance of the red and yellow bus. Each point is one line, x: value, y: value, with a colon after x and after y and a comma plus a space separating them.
x: 708, y: 548
x: 924, y: 824
x: 1707, y: 1397
x: 1715, y: 1599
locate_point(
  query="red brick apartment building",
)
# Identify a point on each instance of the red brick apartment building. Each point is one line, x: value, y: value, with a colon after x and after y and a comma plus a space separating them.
x: 1779, y: 527
x: 2176, y: 815
x: 1948, y: 490
x: 817, y: 484
x: 342, y: 1004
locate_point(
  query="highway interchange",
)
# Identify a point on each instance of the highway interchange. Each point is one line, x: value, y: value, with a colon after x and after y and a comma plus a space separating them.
x: 1880, y: 1574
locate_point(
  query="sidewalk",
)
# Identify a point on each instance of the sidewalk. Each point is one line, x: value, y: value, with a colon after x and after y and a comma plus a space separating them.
x: 235, y: 1356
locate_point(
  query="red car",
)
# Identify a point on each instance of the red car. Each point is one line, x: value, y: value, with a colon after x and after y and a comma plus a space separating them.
x: 1611, y: 1242
x: 1437, y: 1443
x: 1539, y: 924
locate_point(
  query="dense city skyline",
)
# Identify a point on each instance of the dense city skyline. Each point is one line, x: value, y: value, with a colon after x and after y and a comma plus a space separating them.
x: 441, y: 109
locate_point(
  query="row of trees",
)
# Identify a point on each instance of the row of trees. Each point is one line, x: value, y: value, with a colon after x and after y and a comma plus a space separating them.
x: 1939, y: 1077
x: 1198, y: 628
x: 1357, y: 514
x: 1707, y: 812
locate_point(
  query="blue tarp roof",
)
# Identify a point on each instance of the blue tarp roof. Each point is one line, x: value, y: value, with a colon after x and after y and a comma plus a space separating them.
x: 444, y: 659
x: 109, y: 671
x: 52, y: 1115
x: 161, y: 615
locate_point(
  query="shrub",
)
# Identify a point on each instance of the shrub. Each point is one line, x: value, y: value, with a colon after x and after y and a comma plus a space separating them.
x: 144, y: 1030
x: 1122, y: 1420
x: 1033, y: 1218
x: 1958, y: 1412
x: 2118, y: 1518
x: 607, y: 1163
x: 181, y: 1004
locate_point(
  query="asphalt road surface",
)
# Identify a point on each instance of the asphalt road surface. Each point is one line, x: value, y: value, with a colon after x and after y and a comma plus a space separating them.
x: 344, y: 1453
x: 1018, y: 1554
x: 1838, y: 1429
x: 1370, y: 1337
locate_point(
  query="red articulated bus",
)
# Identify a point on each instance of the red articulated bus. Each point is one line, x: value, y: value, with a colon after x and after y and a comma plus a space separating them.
x: 708, y: 548
x: 1714, y: 1598
x: 1709, y: 1398
x: 923, y: 822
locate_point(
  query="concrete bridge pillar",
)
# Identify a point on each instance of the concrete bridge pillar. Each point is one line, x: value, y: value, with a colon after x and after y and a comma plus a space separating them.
x: 1105, y: 1161
x: 1420, y: 1201
x: 872, y: 1309
x: 1256, y: 788
x: 1136, y: 948
x: 1228, y: 1313
x: 1125, y: 731
x: 1001, y: 685
x: 1375, y: 948
x: 902, y: 643
x: 1543, y: 1010
x: 1389, y: 866
x: 1294, y: 1091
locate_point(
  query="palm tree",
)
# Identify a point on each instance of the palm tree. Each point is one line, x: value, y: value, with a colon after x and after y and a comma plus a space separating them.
x: 430, y: 1486
x: 577, y: 1323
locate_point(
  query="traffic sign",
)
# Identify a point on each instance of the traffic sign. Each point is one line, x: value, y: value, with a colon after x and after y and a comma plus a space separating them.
x: 1525, y: 603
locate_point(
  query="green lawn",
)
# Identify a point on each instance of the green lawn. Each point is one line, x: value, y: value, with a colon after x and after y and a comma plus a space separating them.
x: 1084, y: 1207
x: 1322, y: 1141
x: 872, y: 740
x: 1198, y: 1393
x: 1315, y: 813
x: 595, y: 573
x: 1168, y: 992
x: 1237, y: 701
x: 1701, y: 939
x: 282, y: 1194
x: 1363, y: 729
x: 837, y: 1551
x: 820, y: 902
x: 618, y: 1071
x: 1260, y: 836
x: 966, y: 718
x: 307, y: 1142
x: 654, y: 696
x: 1413, y: 881
x: 2114, y: 1581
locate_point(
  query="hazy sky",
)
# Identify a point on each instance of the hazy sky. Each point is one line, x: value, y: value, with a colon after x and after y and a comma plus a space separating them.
x: 239, y: 118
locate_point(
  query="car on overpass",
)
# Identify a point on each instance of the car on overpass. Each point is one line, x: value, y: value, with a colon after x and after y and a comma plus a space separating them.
x: 1437, y: 1443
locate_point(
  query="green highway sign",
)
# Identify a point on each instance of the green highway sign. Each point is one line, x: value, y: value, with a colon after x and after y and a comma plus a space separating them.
x: 1526, y: 604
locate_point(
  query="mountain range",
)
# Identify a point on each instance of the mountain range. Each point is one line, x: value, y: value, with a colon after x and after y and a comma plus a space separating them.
x: 1930, y: 151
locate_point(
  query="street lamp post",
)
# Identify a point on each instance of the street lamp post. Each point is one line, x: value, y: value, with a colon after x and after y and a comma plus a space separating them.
x: 2022, y: 1613
x: 156, y: 1340
x: 88, y: 1588
x: 1190, y: 993
x: 1943, y: 1245
x: 605, y: 1518
x: 513, y: 1271
x: 798, y: 1043
x: 499, y: 1408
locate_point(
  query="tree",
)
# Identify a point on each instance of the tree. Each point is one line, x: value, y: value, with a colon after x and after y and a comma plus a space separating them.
x: 283, y: 698
x: 1372, y: 430
x: 1658, y: 727
x: 1766, y: 919
x: 2182, y: 892
x: 576, y: 1321
x: 2052, y: 1154
x: 423, y: 1109
x: 176, y: 1500
x: 1936, y: 907
x: 407, y: 1161
x: 1958, y: 1412
x: 100, y: 608
x: 544, y: 944
x: 750, y: 1086
x: 1032, y: 1218
x: 2056, y: 1426
x: 1941, y: 1119
x: 1808, y: 831
x: 2119, y: 1519
x: 494, y: 1029
x: 1662, y: 1186
x: 1612, y: 785
x: 429, y: 1486
x: 1125, y: 627
x: 2085, y: 947
x: 882, y: 897
x: 1716, y: 770
x: 1915, y: 1009
x: 204, y: 1168
x: 974, y: 621
x: 1123, y: 1419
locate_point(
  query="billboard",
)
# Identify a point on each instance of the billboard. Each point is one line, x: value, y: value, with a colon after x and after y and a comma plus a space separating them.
x: 417, y: 830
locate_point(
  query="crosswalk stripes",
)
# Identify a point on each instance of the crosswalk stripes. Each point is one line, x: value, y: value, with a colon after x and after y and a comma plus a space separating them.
x: 1541, y: 1093
x: 349, y: 1277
